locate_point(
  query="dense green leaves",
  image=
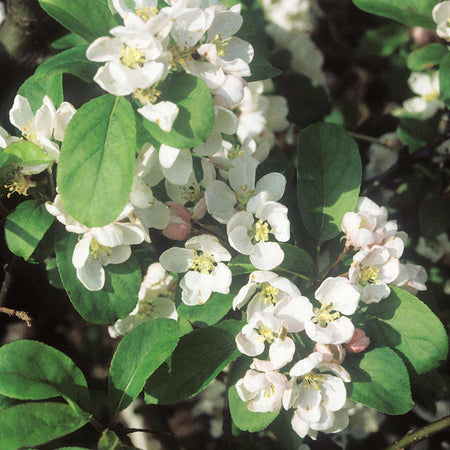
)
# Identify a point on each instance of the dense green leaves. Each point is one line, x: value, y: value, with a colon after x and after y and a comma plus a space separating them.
x: 426, y: 57
x: 139, y: 354
x: 405, y: 323
x: 71, y: 61
x: 444, y: 79
x: 414, y: 13
x: 261, y: 69
x: 117, y: 298
x: 380, y: 380
x: 97, y: 160
x: 39, y: 85
x: 415, y: 133
x: 31, y: 370
x: 88, y: 18
x: 199, y: 357
x: 195, y: 118
x: 329, y: 178
x: 25, y: 227
x: 31, y: 424
x: 434, y: 218
x: 296, y: 262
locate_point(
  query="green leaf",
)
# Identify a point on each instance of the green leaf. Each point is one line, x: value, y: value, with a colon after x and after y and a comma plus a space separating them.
x: 240, y: 264
x: 25, y: 227
x: 88, y: 18
x: 261, y: 69
x: 329, y: 178
x: 384, y: 41
x: 195, y: 118
x: 433, y: 216
x: 97, y: 161
x: 31, y: 370
x: 38, y: 86
x: 444, y: 79
x: 68, y: 41
x: 7, y: 164
x: 199, y: 357
x: 426, y: 57
x: 406, y: 324
x: 6, y: 402
x: 71, y: 61
x: 138, y: 355
x: 380, y: 380
x: 414, y: 13
x: 296, y: 262
x: 415, y: 132
x: 110, y: 441
x: 307, y: 102
x: 32, y: 424
x: 245, y: 419
x: 29, y: 154
x: 117, y: 298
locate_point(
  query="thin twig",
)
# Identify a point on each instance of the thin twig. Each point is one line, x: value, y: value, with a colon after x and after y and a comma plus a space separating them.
x: 22, y: 315
x: 421, y: 433
x: 8, y: 268
x: 52, y: 182
x: 372, y: 140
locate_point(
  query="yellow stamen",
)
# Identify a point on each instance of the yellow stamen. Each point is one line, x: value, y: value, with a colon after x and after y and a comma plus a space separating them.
x: 268, y: 294
x: 146, y: 309
x: 148, y: 95
x: 242, y: 197
x: 19, y: 183
x: 323, y: 315
x: 220, y: 44
x: 181, y: 55
x: 368, y: 275
x: 203, y: 263
x: 312, y: 379
x: 237, y: 151
x: 266, y: 334
x: 146, y: 12
x: 97, y: 250
x: 269, y: 391
x: 132, y: 57
x: 261, y: 231
x: 29, y: 133
x: 192, y: 193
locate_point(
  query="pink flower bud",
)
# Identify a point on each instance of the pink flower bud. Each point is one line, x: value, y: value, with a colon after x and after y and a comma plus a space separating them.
x: 331, y: 353
x: 180, y: 222
x: 359, y: 342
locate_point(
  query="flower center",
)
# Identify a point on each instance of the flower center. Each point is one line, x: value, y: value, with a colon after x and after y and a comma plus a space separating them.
x: 267, y: 335
x: 147, y: 95
x: 242, y: 197
x: 203, y: 263
x: 269, y: 391
x: 323, y: 315
x: 312, y: 379
x: 99, y: 250
x: 146, y: 12
x: 260, y: 231
x: 192, y: 193
x: 19, y: 183
x: 146, y: 309
x: 431, y: 97
x: 220, y: 44
x: 268, y: 294
x: 132, y: 57
x: 180, y: 55
x: 29, y: 132
x: 237, y: 151
x: 368, y: 275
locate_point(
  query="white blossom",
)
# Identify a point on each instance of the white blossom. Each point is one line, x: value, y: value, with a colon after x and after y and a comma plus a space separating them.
x: 441, y: 15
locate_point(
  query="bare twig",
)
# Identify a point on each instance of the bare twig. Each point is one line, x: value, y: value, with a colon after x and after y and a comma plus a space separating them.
x: 22, y: 315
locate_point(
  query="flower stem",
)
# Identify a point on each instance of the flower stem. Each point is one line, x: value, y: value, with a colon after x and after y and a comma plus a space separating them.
x: 422, y: 433
x: 364, y: 137
x: 52, y: 182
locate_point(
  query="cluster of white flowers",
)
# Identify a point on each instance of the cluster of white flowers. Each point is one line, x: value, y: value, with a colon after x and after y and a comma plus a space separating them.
x: 441, y: 15
x: 290, y: 25
x: 313, y: 385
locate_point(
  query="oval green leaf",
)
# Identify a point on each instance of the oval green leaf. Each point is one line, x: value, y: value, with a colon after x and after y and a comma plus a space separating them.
x: 296, y: 262
x: 96, y: 165
x: 414, y: 13
x: 444, y: 79
x: 117, y: 298
x: 138, y: 355
x: 406, y: 324
x: 31, y: 370
x: 195, y: 118
x: 25, y: 227
x: 199, y: 357
x: 328, y: 178
x: 30, y: 154
x: 380, y: 380
x: 31, y: 424
x: 88, y: 18
x: 426, y: 57
x: 71, y: 61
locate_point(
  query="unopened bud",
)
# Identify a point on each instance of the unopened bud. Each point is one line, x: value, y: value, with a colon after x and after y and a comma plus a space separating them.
x: 180, y: 222
x: 331, y: 353
x: 359, y: 342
